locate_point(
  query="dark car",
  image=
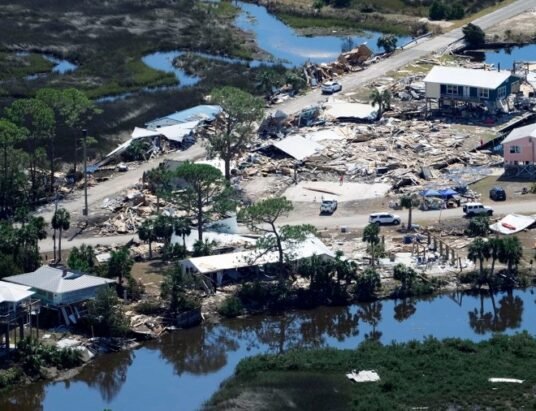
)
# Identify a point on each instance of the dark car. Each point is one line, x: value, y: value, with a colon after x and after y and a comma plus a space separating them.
x: 497, y: 194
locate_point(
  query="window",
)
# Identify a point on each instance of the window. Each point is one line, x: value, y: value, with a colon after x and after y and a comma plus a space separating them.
x: 501, y: 92
x: 483, y: 93
x: 515, y: 149
x: 452, y: 90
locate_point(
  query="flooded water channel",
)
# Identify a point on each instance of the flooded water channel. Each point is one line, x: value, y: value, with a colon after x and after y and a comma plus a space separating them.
x: 184, y: 368
x: 285, y: 44
x: 506, y: 56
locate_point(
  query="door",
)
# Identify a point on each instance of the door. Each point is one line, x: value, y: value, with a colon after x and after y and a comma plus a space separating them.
x: 466, y: 91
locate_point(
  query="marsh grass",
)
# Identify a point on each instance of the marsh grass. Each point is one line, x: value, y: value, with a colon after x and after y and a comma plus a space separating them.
x: 370, y: 24
x: 432, y: 373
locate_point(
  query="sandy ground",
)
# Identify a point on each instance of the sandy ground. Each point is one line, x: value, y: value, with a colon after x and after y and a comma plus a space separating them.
x: 310, y: 191
x: 519, y: 28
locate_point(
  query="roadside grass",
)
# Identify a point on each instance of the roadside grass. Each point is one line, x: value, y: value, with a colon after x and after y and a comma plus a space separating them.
x: 452, y: 373
x: 481, y: 13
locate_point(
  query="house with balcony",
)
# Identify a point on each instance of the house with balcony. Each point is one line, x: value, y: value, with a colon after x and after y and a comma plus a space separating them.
x: 519, y: 149
x: 62, y: 290
x: 17, y: 306
x: 457, y: 87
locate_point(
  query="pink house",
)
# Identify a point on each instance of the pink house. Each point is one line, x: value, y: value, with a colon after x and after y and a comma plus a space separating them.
x: 520, y: 146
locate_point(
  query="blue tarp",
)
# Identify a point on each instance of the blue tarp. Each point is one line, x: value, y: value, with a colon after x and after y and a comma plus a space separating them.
x: 431, y: 193
x: 447, y: 192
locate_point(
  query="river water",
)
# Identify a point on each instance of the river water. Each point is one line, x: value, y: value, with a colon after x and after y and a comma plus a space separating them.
x: 183, y: 369
x: 506, y: 56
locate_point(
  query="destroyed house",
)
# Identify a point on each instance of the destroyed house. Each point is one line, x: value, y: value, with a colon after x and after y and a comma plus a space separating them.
x: 197, y: 113
x: 449, y: 85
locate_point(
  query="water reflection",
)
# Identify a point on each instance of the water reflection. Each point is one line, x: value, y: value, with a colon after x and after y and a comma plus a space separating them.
x: 198, y: 351
x: 108, y: 379
x: 371, y: 314
x: 186, y: 367
x: 404, y: 310
x: 507, y: 316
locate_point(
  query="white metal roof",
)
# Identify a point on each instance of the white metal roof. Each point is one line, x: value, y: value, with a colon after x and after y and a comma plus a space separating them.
x: 53, y: 280
x: 177, y: 132
x: 298, y: 147
x: 13, y: 293
x: 467, y: 77
x: 343, y: 109
x: 521, y: 132
x: 140, y: 132
x: 213, y: 263
x: 512, y: 223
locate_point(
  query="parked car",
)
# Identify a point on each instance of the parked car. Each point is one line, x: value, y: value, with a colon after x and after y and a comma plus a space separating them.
x: 330, y: 87
x: 472, y: 209
x: 497, y: 194
x: 328, y: 206
x: 384, y: 218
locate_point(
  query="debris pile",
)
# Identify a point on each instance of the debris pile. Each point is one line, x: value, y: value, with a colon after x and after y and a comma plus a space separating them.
x: 353, y: 60
x: 409, y: 155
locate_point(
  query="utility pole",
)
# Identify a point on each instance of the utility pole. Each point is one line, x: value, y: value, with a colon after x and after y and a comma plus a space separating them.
x: 55, y: 211
x: 85, y: 211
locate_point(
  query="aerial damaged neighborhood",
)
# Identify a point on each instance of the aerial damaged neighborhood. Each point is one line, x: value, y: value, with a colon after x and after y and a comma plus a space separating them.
x: 246, y: 200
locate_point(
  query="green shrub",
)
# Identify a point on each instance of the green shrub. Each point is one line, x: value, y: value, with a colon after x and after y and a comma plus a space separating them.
x: 34, y: 355
x: 231, y: 307
x: 148, y: 308
x: 9, y: 377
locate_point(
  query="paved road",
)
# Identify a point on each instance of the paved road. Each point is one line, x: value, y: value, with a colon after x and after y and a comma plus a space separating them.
x: 403, y: 57
x: 350, y: 220
x: 305, y: 213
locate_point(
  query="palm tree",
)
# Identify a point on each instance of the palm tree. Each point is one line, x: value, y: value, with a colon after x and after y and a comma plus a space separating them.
x: 479, y: 250
x: 409, y: 201
x: 163, y: 228
x: 61, y: 220
x: 371, y: 236
x: 510, y: 254
x: 120, y: 265
x: 495, y: 245
x: 146, y: 232
x: 381, y: 98
x: 183, y: 228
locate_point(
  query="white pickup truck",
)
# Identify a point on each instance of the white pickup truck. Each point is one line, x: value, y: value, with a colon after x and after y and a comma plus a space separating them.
x: 328, y: 206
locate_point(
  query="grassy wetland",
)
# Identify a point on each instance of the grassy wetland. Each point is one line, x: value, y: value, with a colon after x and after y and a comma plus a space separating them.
x: 106, y: 41
x: 432, y: 374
